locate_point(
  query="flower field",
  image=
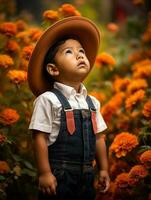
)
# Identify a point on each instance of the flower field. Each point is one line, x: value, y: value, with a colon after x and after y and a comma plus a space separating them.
x: 120, y: 80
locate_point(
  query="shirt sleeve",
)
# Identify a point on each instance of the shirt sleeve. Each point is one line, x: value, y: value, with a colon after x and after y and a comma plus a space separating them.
x: 42, y: 115
x: 101, y: 125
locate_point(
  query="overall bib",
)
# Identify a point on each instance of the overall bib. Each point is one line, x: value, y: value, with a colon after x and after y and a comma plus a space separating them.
x: 72, y: 153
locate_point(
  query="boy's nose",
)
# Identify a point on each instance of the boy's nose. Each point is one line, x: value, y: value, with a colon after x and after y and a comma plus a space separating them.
x: 79, y: 55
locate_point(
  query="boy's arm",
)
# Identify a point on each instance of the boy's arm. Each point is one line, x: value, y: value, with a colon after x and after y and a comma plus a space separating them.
x: 102, y: 162
x: 47, y: 182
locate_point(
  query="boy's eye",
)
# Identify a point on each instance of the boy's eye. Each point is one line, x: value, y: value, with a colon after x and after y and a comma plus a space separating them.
x: 68, y: 51
x: 82, y: 51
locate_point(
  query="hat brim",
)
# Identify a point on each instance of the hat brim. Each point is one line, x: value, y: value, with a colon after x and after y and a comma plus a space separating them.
x: 81, y: 27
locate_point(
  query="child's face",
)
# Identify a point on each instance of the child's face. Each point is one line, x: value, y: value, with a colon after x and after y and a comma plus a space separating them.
x: 71, y: 62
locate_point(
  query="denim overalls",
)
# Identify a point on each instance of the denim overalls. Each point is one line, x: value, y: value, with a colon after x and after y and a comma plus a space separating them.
x: 72, y: 153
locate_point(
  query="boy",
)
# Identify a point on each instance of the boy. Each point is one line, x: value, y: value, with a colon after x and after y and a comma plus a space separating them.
x: 66, y: 123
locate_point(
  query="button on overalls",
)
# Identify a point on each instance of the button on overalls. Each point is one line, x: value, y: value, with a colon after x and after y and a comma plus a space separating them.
x: 72, y: 153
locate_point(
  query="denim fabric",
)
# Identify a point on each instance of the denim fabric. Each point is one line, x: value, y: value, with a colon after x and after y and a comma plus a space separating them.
x: 71, y: 156
x: 72, y: 185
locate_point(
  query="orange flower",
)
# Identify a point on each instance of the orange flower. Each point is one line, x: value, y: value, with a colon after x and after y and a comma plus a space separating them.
x: 21, y: 25
x: 67, y: 10
x: 147, y: 109
x: 8, y: 29
x: 12, y: 46
x: 123, y: 143
x: 3, y: 139
x: 105, y: 59
x: 4, y: 167
x: 134, y: 99
x: 136, y: 56
x: 136, y: 85
x: 138, y: 2
x: 142, y: 72
x: 98, y: 95
x: 120, y: 84
x: 51, y: 15
x: 112, y: 27
x: 138, y: 172
x: 5, y: 61
x: 17, y: 76
x: 147, y: 36
x: 112, y: 106
x: 121, y: 181
x: 36, y: 35
x: 27, y: 51
x: 142, y: 63
x: 145, y: 159
x: 8, y: 116
x: 23, y: 37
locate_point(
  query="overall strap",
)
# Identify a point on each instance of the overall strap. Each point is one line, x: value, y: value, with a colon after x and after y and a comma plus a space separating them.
x: 93, y: 113
x: 67, y: 109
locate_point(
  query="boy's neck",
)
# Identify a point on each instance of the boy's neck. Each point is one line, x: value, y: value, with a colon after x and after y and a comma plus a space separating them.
x: 76, y: 86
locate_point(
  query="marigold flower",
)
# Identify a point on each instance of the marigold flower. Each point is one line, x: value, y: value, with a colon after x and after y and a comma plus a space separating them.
x: 4, y: 167
x: 9, y: 116
x: 112, y: 27
x: 123, y: 143
x: 12, y: 46
x: 146, y: 37
x: 112, y: 106
x: 142, y: 72
x: 136, y: 85
x: 51, y: 15
x: 23, y: 37
x: 8, y: 29
x: 145, y: 159
x: 147, y: 109
x: 138, y: 2
x: 138, y: 172
x: 3, y: 138
x: 136, y: 56
x: 105, y: 59
x: 6, y: 61
x: 100, y: 96
x: 142, y: 63
x: 121, y: 180
x: 36, y: 35
x: 21, y: 25
x: 134, y: 99
x: 27, y: 51
x: 17, y: 76
x: 67, y: 10
x: 120, y: 84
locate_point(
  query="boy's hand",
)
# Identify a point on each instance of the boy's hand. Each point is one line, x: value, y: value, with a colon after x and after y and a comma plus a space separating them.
x: 104, y: 181
x: 47, y: 183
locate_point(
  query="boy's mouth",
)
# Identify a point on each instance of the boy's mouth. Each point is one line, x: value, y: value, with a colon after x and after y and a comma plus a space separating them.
x: 81, y: 64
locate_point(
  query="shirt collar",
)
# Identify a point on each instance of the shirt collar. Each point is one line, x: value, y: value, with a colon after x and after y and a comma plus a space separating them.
x: 68, y: 90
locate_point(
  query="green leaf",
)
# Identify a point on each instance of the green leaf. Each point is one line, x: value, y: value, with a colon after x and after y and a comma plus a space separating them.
x: 2, y: 178
x: 144, y: 148
x: 29, y: 172
x: 28, y: 165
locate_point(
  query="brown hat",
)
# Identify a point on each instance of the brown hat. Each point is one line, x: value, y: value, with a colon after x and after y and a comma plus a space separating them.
x: 80, y: 27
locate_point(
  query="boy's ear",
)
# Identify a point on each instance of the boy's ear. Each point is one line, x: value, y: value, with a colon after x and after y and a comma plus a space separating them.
x: 52, y: 69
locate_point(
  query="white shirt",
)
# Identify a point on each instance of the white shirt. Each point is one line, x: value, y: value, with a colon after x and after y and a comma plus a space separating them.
x: 47, y: 110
